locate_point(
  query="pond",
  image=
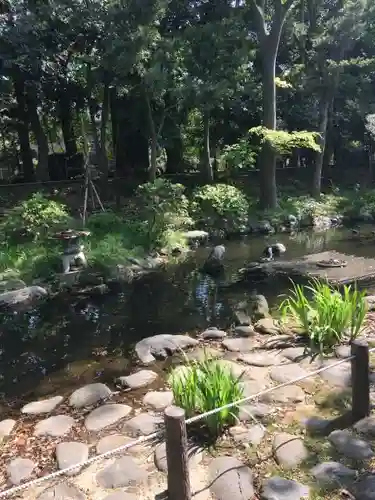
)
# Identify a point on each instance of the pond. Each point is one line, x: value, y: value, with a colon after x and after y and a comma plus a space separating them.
x: 72, y: 341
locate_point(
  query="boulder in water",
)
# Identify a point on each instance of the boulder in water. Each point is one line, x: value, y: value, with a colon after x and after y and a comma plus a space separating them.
x: 161, y: 346
x: 27, y: 295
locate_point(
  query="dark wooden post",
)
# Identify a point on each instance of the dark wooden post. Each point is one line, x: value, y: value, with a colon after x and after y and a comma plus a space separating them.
x: 177, y: 454
x: 360, y: 380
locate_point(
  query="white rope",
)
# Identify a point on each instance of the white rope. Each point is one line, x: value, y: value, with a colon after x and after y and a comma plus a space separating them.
x: 53, y: 475
x: 143, y: 439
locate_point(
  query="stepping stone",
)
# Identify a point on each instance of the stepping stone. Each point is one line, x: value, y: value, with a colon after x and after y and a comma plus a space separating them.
x: 278, y: 488
x: 121, y: 495
x: 350, y: 446
x: 267, y: 326
x: 202, y: 354
x: 248, y: 435
x: 295, y: 353
x: 258, y: 410
x: 143, y: 424
x: 251, y: 387
x: 239, y: 344
x: 123, y: 472
x: 213, y: 334
x: 289, y: 450
x: 71, y: 453
x: 54, y: 426
x: 343, y: 351
x: 244, y: 331
x: 288, y: 394
x: 332, y: 474
x: 277, y: 342
x: 160, y: 457
x: 6, y: 427
x: 261, y: 359
x: 44, y: 406
x: 230, y: 479
x: 236, y: 369
x: 158, y: 400
x: 62, y: 491
x: 19, y: 470
x: 366, y: 426
x: 161, y: 346
x: 106, y: 415
x: 89, y: 395
x: 287, y: 373
x: 364, y: 489
x: 113, y: 441
x: 340, y: 376
x: 138, y: 379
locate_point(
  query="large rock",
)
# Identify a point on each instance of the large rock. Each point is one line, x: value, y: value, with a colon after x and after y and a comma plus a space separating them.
x: 54, y: 426
x: 241, y: 317
x: 267, y: 326
x: 44, y: 406
x: 143, y: 424
x: 11, y: 285
x: 257, y: 410
x: 244, y: 331
x: 89, y: 395
x: 364, y: 489
x: 138, y: 379
x: 230, y: 479
x: 339, y: 375
x: 19, y: 470
x: 123, y: 472
x: 158, y: 400
x: 350, y: 446
x: 239, y: 344
x: 71, y: 453
x: 262, y: 359
x: 287, y: 373
x: 27, y: 295
x: 160, y: 457
x: 248, y: 435
x: 114, y: 441
x: 62, y: 491
x: 6, y: 427
x: 106, y: 415
x: 370, y: 300
x: 289, y: 450
x: 279, y: 488
x: 259, y: 307
x: 213, y: 334
x: 287, y: 394
x: 366, y: 426
x: 332, y: 474
x: 160, y: 346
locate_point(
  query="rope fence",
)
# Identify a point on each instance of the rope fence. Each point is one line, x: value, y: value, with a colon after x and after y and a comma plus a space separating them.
x: 175, y: 430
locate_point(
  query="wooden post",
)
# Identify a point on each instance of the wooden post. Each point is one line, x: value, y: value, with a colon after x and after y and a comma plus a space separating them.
x: 177, y: 454
x: 360, y: 380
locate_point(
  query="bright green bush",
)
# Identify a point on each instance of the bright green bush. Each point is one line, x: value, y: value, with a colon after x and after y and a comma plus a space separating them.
x: 220, y: 206
x: 34, y: 218
x: 162, y: 207
x: 328, y: 316
x: 201, y: 386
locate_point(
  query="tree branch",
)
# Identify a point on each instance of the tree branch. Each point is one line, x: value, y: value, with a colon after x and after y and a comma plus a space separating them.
x: 259, y: 18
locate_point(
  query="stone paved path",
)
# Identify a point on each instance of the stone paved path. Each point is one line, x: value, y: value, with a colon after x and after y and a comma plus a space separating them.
x: 275, y: 424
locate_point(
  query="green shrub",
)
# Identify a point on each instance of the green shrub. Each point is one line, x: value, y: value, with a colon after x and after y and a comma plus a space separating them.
x: 161, y: 207
x: 34, y: 218
x: 201, y: 386
x: 328, y: 316
x: 221, y: 206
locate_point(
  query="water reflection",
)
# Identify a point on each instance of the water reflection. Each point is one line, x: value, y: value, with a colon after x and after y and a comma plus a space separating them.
x: 67, y: 342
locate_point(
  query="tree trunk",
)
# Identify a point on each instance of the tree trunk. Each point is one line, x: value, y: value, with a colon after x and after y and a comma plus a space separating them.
x: 153, y: 139
x: 66, y: 121
x: 206, y: 158
x: 23, y: 130
x: 42, y: 172
x: 268, y: 186
x: 103, y: 130
x: 324, y: 106
x: 113, y: 105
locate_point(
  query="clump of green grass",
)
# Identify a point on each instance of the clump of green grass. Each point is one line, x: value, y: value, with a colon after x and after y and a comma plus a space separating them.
x: 201, y: 386
x: 324, y: 314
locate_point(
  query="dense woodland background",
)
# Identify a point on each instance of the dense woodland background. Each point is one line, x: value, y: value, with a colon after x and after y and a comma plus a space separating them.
x: 173, y: 87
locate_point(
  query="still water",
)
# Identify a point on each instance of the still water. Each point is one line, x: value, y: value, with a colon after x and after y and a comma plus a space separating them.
x: 71, y: 340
